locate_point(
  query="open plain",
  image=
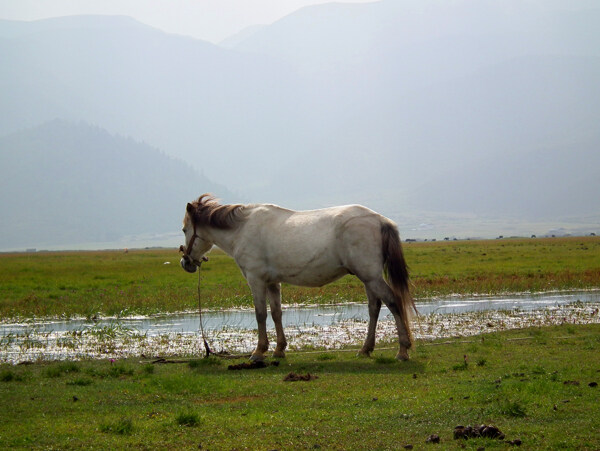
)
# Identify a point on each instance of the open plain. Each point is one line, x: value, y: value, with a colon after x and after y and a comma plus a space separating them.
x: 537, y: 385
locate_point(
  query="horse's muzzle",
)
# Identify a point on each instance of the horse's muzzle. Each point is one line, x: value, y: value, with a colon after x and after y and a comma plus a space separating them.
x: 191, y: 265
x: 187, y: 265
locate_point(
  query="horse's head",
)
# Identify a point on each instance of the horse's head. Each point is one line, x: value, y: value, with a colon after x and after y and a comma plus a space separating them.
x: 196, y: 245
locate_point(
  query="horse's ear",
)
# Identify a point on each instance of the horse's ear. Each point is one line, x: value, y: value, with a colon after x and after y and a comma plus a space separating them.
x: 190, y: 209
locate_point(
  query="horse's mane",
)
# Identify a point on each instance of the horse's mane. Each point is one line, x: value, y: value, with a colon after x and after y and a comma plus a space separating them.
x: 207, y: 211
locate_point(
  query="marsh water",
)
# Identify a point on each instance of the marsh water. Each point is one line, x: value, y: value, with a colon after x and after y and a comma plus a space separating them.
x: 299, y: 315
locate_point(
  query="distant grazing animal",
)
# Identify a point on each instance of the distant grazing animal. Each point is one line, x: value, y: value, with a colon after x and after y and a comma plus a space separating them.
x: 271, y: 245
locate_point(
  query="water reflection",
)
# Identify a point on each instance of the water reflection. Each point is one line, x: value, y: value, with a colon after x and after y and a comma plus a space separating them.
x: 299, y: 316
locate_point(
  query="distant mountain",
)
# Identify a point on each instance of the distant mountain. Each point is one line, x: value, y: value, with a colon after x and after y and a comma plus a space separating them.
x: 66, y: 184
x: 379, y: 103
x: 219, y: 110
x: 416, y: 43
x: 234, y: 40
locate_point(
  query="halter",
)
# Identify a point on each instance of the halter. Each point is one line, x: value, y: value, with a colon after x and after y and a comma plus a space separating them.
x: 187, y: 249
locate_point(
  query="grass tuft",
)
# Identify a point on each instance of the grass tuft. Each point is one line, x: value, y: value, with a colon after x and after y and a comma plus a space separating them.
x: 513, y: 409
x: 460, y: 366
x: 57, y: 370
x: 539, y: 370
x: 53, y: 371
x: 120, y: 370
x: 200, y: 363
x: 123, y: 426
x: 325, y: 356
x: 148, y: 369
x: 81, y: 382
x: 189, y: 419
x: 385, y: 360
x: 9, y: 375
x: 69, y: 367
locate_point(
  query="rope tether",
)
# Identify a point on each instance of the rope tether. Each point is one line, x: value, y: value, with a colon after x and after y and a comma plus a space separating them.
x: 206, y: 347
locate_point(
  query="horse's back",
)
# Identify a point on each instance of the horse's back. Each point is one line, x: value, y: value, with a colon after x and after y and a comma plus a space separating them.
x: 323, y: 224
x: 311, y: 247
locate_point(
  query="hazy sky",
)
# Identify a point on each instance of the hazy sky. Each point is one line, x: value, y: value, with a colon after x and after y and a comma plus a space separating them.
x: 210, y: 20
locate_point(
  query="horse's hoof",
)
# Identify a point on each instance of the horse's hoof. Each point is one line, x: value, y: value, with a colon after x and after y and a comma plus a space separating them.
x: 279, y: 354
x: 363, y: 353
x: 257, y: 357
x: 402, y: 355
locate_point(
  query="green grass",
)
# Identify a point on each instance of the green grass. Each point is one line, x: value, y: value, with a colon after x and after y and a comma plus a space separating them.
x: 498, y: 266
x: 355, y: 403
x: 188, y: 419
x: 116, y: 283
x: 199, y: 363
x: 122, y: 426
x: 81, y: 381
x: 8, y: 375
x: 62, y: 368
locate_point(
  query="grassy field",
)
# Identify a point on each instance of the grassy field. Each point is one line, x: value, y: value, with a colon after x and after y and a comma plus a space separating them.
x: 118, y: 283
x: 533, y: 384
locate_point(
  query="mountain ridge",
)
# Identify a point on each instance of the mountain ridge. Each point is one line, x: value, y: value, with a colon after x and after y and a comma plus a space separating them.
x: 68, y: 183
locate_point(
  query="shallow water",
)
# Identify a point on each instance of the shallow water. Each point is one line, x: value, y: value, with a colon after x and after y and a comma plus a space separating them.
x: 323, y: 328
x: 299, y: 316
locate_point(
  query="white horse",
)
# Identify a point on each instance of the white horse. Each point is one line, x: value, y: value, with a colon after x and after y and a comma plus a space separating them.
x: 271, y: 245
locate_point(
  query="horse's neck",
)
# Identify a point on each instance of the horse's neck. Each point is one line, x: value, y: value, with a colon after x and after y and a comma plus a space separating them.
x: 224, y: 239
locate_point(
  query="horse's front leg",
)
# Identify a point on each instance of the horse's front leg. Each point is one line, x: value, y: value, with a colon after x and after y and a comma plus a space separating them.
x: 259, y: 291
x: 374, y: 308
x: 274, y: 295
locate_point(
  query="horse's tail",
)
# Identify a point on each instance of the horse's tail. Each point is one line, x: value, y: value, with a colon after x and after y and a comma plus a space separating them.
x: 397, y: 272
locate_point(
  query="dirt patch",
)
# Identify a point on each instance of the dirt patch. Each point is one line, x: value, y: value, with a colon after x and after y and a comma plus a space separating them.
x: 293, y: 377
x: 248, y: 365
x: 252, y: 365
x: 478, y: 431
x: 164, y: 361
x: 433, y: 438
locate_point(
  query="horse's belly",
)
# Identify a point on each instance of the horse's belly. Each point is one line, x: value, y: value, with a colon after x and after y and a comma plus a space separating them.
x: 313, y: 277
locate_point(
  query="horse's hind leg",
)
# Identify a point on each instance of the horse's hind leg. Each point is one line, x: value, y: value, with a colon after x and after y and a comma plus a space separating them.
x: 374, y: 308
x: 274, y: 296
x: 382, y: 291
x: 259, y: 290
